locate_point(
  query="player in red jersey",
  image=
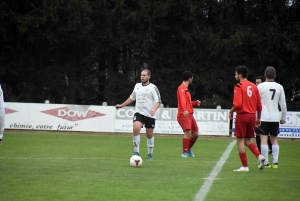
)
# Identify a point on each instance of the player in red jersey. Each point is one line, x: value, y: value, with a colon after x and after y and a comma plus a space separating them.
x: 247, y: 105
x: 185, y: 116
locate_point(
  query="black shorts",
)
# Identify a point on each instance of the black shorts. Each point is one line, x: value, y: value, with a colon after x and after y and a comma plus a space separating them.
x: 149, y: 122
x: 268, y: 127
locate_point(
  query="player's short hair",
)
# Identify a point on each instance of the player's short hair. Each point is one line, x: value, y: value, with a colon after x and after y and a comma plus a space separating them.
x: 242, y: 70
x: 270, y: 72
x: 187, y: 75
x: 262, y: 78
x: 148, y: 71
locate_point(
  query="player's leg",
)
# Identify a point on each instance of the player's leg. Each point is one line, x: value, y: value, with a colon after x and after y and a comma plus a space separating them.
x: 264, y: 141
x: 240, y: 132
x: 2, y: 116
x: 242, y: 155
x: 185, y: 123
x: 274, y: 131
x: 275, y: 151
x: 250, y: 123
x: 138, y: 122
x: 255, y: 151
x: 150, y: 142
x: 150, y: 125
x: 270, y: 144
x: 257, y: 138
x: 194, y: 135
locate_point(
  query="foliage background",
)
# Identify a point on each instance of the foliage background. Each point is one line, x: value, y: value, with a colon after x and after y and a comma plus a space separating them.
x: 91, y: 51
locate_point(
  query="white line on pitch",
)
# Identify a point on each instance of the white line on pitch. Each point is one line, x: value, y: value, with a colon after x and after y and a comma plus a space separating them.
x: 213, y: 174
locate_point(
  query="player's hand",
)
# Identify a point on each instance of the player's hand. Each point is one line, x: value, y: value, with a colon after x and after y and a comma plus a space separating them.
x: 257, y: 122
x: 231, y: 115
x: 198, y: 103
x: 185, y: 113
x: 152, y: 112
x: 282, y: 122
x: 119, y: 106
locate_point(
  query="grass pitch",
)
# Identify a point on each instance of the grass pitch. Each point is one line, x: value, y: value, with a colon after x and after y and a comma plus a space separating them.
x: 58, y: 166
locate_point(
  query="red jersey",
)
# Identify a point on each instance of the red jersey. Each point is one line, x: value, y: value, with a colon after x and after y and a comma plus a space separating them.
x: 184, y: 100
x: 246, y: 98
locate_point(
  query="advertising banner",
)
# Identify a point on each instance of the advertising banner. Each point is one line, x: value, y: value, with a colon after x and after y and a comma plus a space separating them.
x: 59, y: 117
x: 210, y: 121
x: 291, y: 128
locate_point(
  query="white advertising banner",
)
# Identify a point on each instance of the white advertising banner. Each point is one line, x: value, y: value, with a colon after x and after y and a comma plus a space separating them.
x: 59, y: 117
x: 210, y: 121
x: 291, y: 128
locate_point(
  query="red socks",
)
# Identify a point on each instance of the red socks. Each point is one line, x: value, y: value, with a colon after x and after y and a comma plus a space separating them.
x: 185, y: 145
x: 254, y: 149
x: 243, y: 158
x: 192, y: 142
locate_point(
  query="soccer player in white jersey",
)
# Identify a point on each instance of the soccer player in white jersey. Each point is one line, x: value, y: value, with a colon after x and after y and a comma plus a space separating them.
x: 259, y: 80
x: 271, y: 94
x: 2, y: 115
x: 147, y: 99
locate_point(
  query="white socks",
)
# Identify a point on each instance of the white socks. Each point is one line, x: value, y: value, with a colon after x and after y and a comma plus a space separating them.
x: 136, y: 143
x: 265, y: 151
x: 275, y: 151
x: 150, y: 144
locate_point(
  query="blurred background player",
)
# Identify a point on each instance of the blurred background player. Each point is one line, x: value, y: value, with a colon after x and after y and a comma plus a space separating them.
x: 2, y: 115
x: 247, y: 105
x: 148, y: 100
x: 185, y: 116
x: 272, y: 95
x: 258, y: 80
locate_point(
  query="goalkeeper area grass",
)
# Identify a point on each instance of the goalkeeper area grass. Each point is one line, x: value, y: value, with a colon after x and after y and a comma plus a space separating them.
x: 75, y: 167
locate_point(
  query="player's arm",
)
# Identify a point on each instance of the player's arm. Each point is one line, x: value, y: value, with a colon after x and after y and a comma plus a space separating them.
x: 258, y: 105
x: 258, y: 108
x: 182, y: 99
x: 157, y: 99
x: 127, y: 102
x: 156, y: 106
x: 196, y: 103
x: 282, y: 104
x: 130, y: 100
x: 232, y: 110
x: 237, y: 99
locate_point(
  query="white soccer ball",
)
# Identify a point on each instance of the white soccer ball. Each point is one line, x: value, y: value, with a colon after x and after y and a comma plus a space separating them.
x: 135, y: 161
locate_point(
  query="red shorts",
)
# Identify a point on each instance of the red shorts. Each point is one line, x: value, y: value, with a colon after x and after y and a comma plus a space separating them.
x: 244, y: 125
x: 187, y: 123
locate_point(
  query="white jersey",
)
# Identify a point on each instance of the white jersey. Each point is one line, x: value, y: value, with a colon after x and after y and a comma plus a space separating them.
x: 1, y: 99
x: 145, y: 97
x: 2, y: 113
x: 272, y: 95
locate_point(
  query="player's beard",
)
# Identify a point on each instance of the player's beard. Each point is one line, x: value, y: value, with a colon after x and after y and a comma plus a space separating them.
x: 145, y: 81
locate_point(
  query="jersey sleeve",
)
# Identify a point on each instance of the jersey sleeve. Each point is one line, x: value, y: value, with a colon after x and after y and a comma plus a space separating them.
x: 237, y: 98
x: 133, y: 94
x: 259, y: 105
x: 282, y: 104
x: 156, y: 95
x: 194, y: 103
x: 181, y: 98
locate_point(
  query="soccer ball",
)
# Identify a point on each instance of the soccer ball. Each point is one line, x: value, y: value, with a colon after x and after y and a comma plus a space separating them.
x: 135, y: 161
